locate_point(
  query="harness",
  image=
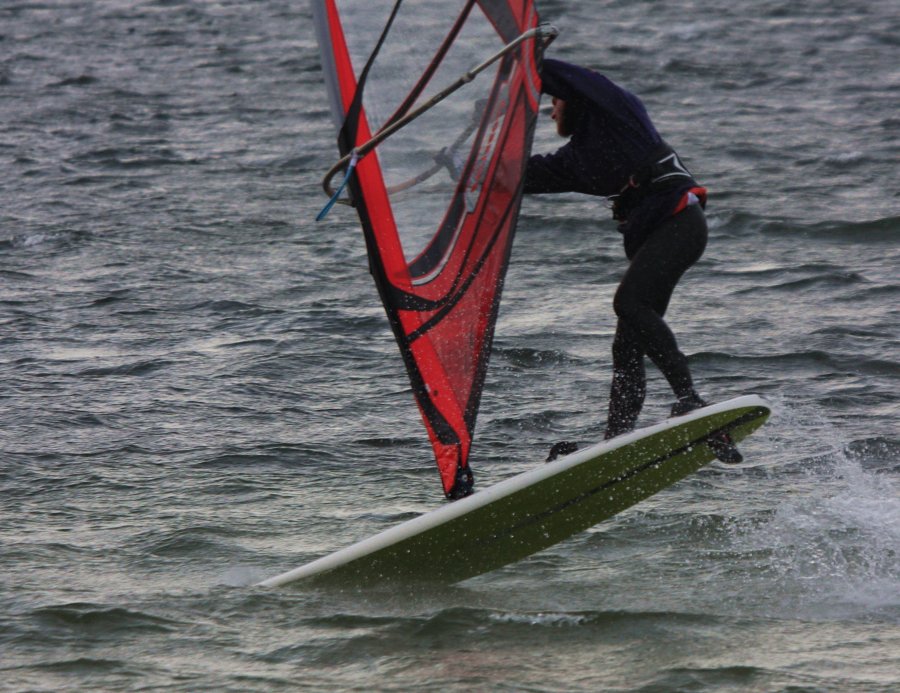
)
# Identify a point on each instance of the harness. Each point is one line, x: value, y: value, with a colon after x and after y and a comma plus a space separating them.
x: 662, y: 171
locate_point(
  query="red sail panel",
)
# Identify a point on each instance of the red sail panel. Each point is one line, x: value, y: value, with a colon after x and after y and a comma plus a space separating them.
x: 439, y: 199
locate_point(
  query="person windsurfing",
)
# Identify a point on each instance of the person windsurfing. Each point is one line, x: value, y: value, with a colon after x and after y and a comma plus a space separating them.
x: 614, y: 151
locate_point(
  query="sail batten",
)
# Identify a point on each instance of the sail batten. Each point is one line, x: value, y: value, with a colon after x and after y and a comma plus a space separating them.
x: 438, y: 201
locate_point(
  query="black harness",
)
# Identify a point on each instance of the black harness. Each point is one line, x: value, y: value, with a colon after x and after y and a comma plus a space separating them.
x: 662, y: 171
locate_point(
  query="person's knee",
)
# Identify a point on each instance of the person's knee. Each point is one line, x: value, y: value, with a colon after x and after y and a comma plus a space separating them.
x: 625, y: 305
x: 626, y: 348
x: 624, y: 355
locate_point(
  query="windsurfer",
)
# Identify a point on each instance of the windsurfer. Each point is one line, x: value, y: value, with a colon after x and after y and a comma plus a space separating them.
x: 614, y: 151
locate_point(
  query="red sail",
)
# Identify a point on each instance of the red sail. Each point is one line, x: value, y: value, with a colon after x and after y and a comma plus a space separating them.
x: 439, y: 199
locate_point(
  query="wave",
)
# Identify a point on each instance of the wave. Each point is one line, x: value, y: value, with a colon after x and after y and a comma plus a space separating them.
x: 526, y: 357
x: 80, y: 81
x: 288, y: 455
x: 383, y: 634
x: 40, y: 239
x: 859, y: 364
x: 135, y: 368
x: 867, y: 231
x: 133, y: 157
x: 84, y: 618
x: 873, y: 231
x: 187, y: 542
x: 826, y: 277
x: 216, y: 307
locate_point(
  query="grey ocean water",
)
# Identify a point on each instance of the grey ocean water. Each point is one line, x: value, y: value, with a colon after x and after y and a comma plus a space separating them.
x: 198, y: 386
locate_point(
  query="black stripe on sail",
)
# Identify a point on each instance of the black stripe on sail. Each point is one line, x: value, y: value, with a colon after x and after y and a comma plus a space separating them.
x: 347, y: 135
x: 442, y: 429
x: 432, y: 66
x: 457, y: 291
x: 436, y: 249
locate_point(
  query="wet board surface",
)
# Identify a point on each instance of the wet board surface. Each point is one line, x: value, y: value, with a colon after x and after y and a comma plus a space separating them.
x: 538, y: 508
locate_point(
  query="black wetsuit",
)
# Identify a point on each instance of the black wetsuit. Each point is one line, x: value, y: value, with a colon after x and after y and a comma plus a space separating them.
x: 615, y: 151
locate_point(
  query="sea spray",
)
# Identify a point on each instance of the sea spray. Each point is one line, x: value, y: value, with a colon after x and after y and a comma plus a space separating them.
x: 833, y: 544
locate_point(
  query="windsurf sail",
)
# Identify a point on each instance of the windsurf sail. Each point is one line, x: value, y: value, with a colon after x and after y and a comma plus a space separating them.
x: 438, y: 192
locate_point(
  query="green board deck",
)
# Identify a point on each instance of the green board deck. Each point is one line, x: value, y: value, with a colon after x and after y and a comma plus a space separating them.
x: 538, y: 508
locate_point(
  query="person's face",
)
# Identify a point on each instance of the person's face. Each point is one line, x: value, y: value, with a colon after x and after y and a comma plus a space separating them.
x: 558, y: 114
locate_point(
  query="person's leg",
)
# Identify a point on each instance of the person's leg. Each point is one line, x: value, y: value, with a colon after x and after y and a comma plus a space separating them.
x: 626, y: 395
x: 641, y: 302
x: 644, y: 293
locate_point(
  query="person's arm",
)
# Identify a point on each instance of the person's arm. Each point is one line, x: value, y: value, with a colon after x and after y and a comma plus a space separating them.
x: 582, y: 164
x: 575, y: 83
x: 553, y: 173
x: 559, y: 79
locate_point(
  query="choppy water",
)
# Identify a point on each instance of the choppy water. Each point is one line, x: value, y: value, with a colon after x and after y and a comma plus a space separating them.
x: 198, y: 387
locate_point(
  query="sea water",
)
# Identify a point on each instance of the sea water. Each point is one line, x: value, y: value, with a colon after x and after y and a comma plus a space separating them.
x: 199, y: 388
